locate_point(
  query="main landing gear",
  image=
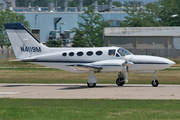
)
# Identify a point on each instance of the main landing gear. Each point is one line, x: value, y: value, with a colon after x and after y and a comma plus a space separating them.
x: 121, y: 78
x: 91, y: 85
x: 92, y: 80
x: 155, y: 83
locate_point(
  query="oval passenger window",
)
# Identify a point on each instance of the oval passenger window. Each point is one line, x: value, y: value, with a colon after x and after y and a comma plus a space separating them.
x: 71, y: 54
x: 99, y: 53
x: 79, y: 53
x: 64, y: 54
x: 89, y: 53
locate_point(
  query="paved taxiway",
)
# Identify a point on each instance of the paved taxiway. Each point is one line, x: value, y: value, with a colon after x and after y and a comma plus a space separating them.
x: 78, y: 91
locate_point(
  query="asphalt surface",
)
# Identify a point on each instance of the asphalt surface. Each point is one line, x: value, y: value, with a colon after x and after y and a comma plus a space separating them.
x: 81, y: 91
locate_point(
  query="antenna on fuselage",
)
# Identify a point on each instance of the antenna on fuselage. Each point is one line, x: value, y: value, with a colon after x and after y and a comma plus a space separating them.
x: 91, y: 44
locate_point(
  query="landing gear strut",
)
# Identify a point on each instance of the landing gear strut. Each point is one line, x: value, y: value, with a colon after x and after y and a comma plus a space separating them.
x: 155, y: 82
x: 92, y: 80
x: 121, y: 78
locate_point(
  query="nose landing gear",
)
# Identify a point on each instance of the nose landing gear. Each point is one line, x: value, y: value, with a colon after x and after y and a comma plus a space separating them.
x: 155, y: 82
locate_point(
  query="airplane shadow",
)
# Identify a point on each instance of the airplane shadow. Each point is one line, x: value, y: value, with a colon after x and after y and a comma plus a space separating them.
x: 80, y: 87
x: 73, y: 87
x: 86, y: 87
x: 15, y: 85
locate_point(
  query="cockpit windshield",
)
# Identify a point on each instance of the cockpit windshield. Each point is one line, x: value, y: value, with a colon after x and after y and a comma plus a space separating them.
x: 123, y: 52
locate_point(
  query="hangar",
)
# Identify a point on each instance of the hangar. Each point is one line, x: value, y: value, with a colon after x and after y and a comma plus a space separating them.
x: 158, y: 41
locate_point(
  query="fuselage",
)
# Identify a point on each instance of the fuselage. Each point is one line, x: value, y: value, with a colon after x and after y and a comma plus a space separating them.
x: 110, y: 58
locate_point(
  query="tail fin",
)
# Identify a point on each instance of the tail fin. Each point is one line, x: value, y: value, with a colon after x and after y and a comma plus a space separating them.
x: 24, y: 44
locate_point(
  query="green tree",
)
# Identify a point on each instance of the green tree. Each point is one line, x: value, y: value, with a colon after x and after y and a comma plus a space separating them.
x: 169, y: 8
x: 8, y: 16
x: 117, y: 4
x: 54, y: 43
x: 142, y: 17
x: 91, y: 30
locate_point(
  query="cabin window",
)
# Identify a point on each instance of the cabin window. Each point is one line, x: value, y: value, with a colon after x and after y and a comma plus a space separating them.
x: 89, y: 53
x: 117, y: 55
x: 111, y: 52
x: 123, y: 52
x: 79, y: 53
x: 71, y: 54
x: 99, y: 53
x: 64, y: 54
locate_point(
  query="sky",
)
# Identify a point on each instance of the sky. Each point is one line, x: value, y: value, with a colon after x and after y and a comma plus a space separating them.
x: 145, y: 1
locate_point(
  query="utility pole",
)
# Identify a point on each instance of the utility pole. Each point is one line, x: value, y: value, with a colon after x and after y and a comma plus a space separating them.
x: 134, y: 5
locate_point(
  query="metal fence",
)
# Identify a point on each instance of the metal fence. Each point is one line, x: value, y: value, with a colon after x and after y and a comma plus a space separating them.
x: 6, y: 53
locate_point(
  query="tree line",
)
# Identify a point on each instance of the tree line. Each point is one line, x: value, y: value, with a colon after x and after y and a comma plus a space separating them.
x: 161, y: 13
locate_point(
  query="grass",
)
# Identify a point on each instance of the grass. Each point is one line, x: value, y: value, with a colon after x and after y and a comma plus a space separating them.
x: 88, y: 109
x: 177, y: 61
x: 17, y: 64
x: 50, y: 75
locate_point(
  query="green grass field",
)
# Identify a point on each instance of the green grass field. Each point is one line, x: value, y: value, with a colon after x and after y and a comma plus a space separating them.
x: 49, y: 75
x: 88, y: 109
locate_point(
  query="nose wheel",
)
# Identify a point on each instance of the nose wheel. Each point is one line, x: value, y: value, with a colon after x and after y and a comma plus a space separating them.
x: 155, y: 83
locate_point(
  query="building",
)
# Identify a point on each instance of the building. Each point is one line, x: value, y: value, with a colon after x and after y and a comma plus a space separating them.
x: 158, y: 41
x: 44, y: 20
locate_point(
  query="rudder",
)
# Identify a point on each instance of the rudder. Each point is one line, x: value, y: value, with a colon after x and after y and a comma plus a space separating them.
x: 24, y: 44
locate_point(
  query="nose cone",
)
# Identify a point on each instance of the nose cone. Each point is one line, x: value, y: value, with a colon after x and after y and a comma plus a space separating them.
x: 170, y: 62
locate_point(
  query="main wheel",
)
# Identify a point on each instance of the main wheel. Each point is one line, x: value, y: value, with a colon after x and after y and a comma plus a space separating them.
x: 91, y: 85
x: 155, y: 83
x: 120, y: 82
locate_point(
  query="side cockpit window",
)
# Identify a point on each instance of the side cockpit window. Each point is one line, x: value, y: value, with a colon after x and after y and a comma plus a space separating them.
x: 123, y: 52
x: 111, y: 52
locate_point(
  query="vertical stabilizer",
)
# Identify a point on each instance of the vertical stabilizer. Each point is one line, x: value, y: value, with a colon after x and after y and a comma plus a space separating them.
x: 24, y: 44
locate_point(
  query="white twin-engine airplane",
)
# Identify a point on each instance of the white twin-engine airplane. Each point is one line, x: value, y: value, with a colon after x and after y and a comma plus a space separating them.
x: 92, y: 60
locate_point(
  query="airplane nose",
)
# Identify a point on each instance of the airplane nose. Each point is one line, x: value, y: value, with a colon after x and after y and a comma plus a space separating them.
x: 171, y: 63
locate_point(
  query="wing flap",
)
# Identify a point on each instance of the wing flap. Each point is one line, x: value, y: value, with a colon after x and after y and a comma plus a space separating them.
x: 82, y: 67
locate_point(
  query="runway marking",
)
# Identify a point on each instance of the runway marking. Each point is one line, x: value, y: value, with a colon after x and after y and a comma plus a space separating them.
x: 10, y: 93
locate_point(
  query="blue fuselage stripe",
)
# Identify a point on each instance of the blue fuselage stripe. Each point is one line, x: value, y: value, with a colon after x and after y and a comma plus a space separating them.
x: 93, y: 61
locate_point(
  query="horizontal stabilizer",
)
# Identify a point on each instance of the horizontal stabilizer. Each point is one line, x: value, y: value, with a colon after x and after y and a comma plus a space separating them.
x: 25, y: 60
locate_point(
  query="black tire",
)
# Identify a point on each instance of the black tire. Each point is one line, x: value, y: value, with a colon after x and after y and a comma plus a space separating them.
x: 91, y: 85
x: 120, y: 82
x: 155, y: 83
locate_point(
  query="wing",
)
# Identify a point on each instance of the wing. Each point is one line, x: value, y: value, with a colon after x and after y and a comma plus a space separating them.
x: 83, y: 67
x: 100, y: 66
